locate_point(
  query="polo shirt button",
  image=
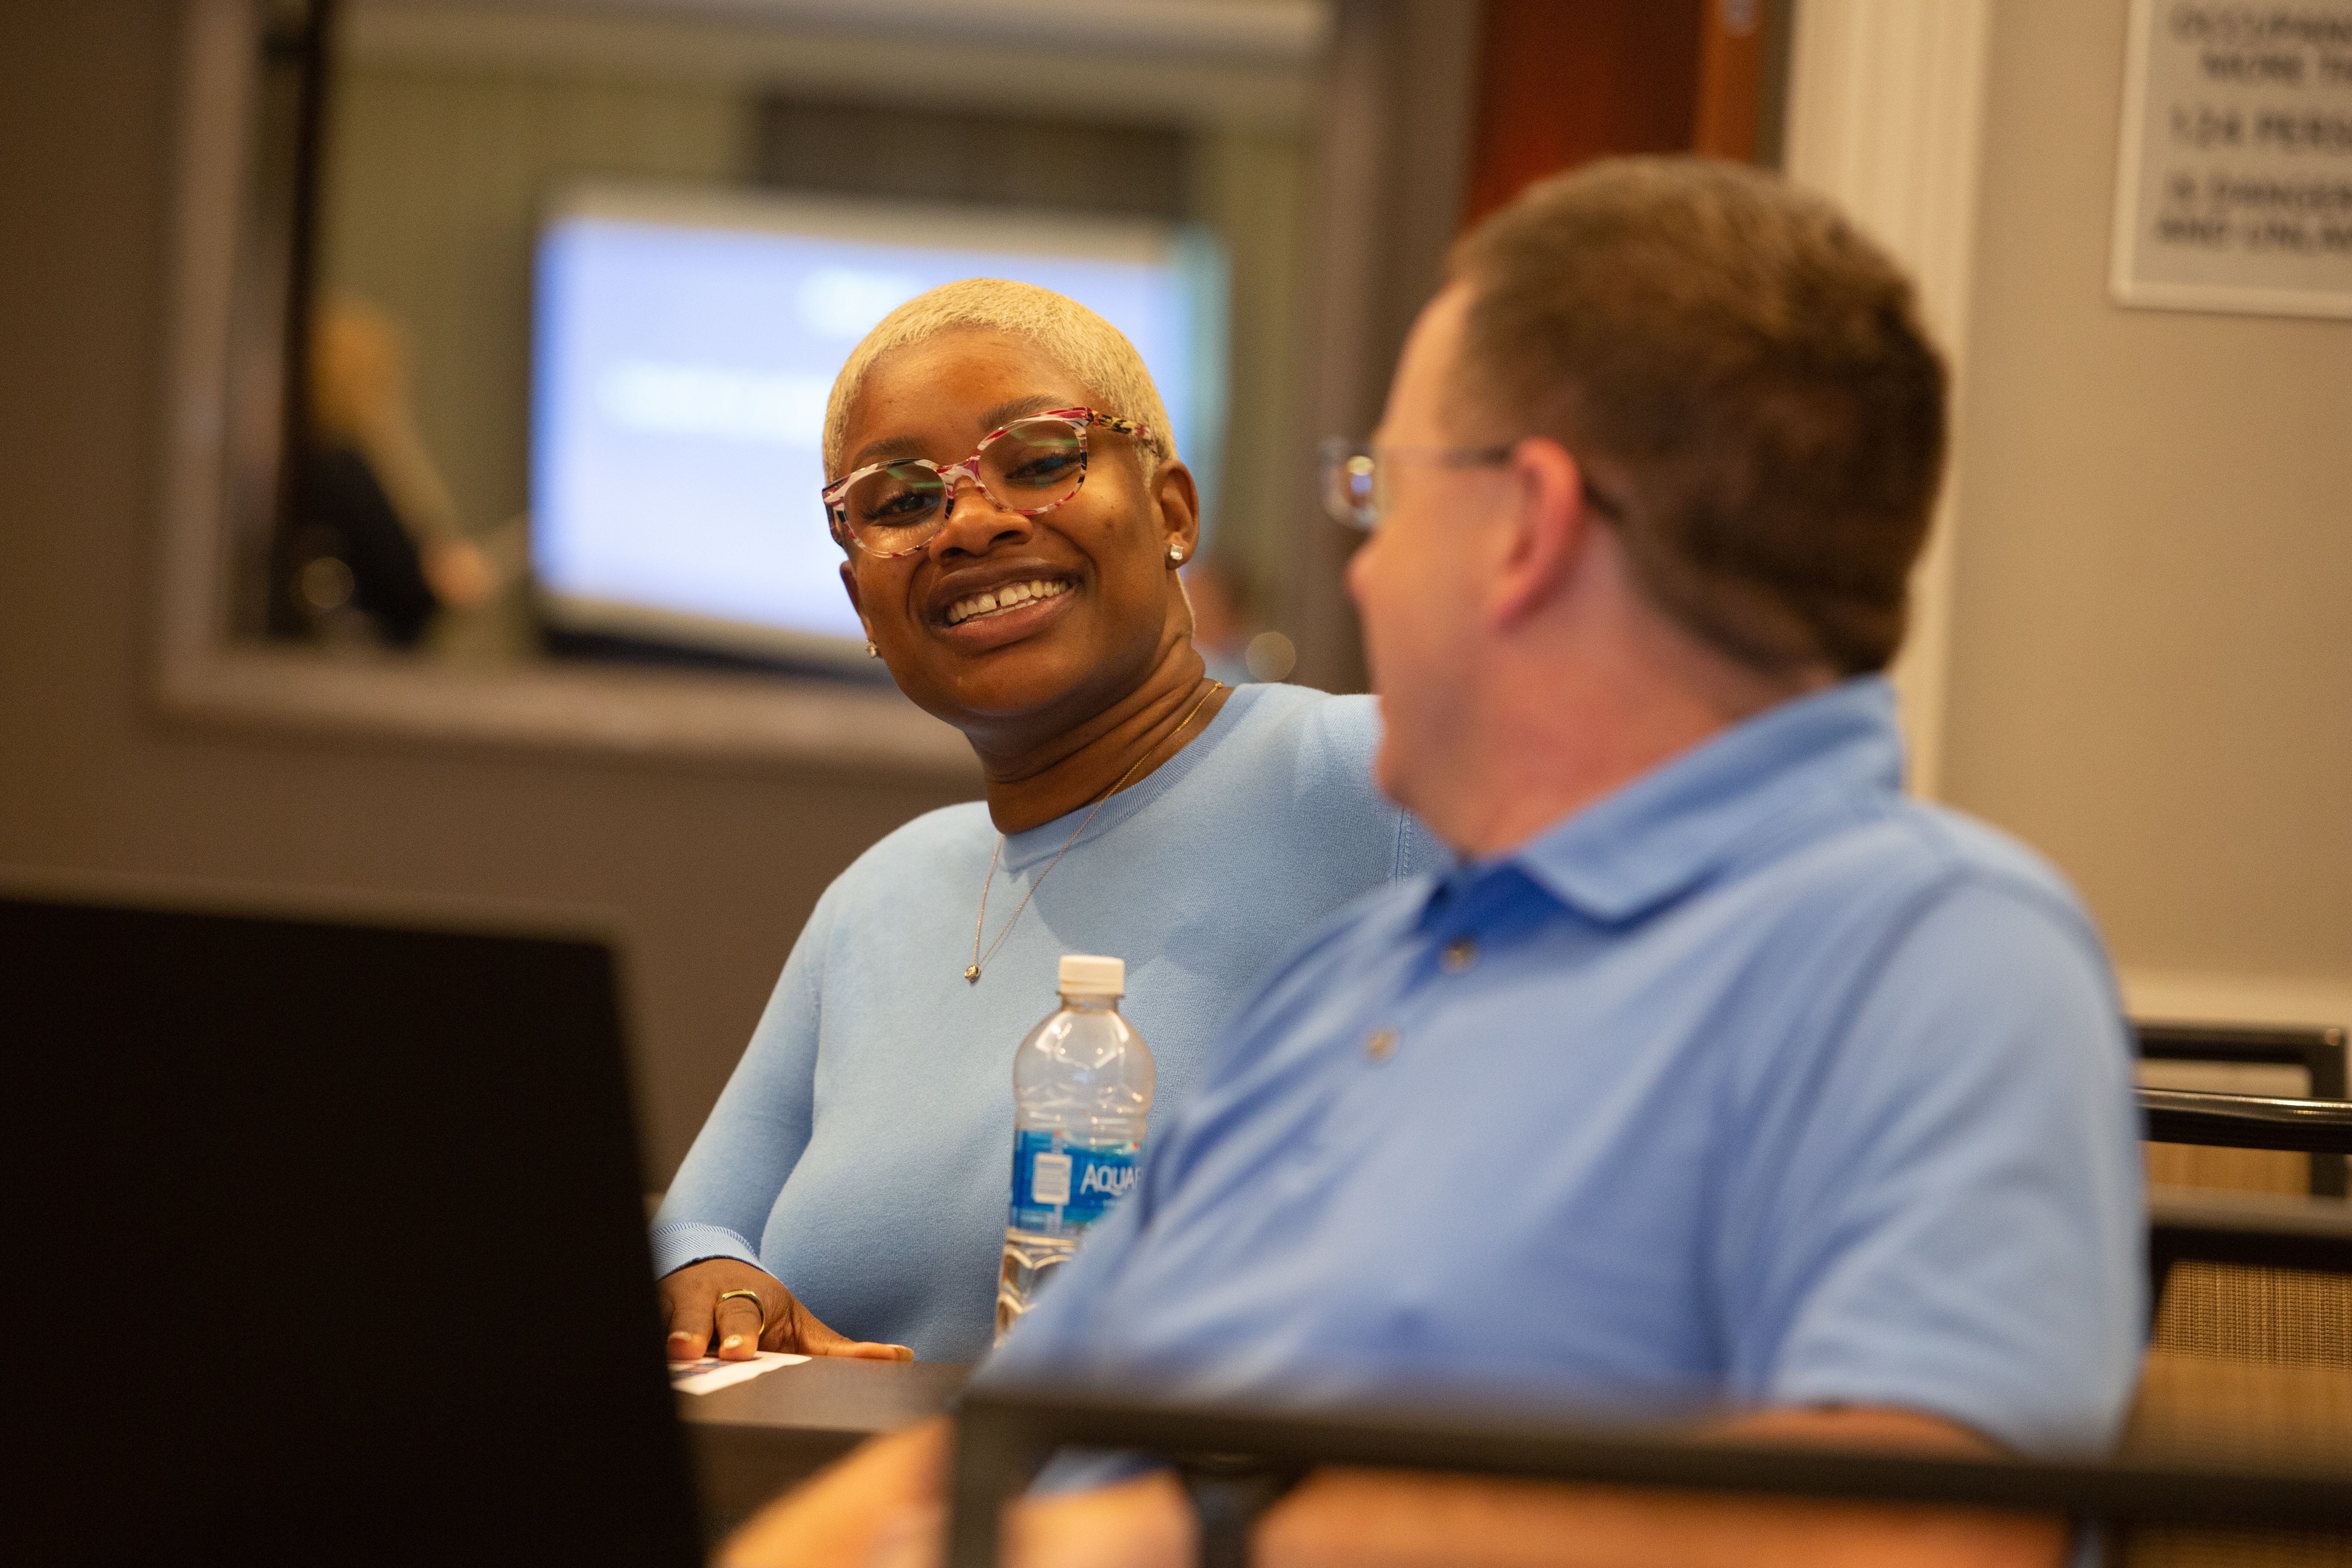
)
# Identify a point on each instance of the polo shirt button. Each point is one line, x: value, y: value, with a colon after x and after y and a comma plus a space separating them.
x: 1381, y: 1045
x: 1459, y: 954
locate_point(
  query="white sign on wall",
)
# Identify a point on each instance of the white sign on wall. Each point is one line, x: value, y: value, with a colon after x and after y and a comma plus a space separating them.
x: 2233, y: 189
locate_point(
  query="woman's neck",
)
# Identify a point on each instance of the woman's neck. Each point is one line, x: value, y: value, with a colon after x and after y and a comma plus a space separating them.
x: 1117, y: 749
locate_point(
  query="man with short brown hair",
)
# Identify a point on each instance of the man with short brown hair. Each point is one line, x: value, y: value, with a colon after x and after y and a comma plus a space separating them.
x: 1718, y: 1080
x: 1757, y: 370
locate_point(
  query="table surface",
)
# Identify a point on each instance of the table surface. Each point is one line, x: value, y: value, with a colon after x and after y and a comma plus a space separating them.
x: 832, y: 1394
x: 754, y: 1439
x: 751, y: 1440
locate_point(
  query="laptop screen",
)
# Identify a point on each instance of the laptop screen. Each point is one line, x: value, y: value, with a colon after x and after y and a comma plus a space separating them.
x: 336, y: 1234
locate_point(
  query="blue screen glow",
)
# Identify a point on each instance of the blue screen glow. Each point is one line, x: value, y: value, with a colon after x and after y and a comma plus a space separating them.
x: 680, y: 377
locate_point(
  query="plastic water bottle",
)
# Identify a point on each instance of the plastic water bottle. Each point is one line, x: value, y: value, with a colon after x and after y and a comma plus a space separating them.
x: 1081, y: 1089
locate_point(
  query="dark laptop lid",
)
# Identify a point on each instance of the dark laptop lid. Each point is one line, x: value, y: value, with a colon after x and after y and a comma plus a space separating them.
x: 331, y: 1246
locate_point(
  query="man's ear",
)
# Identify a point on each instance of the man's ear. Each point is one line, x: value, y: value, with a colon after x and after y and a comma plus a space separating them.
x: 1178, y: 501
x: 1546, y: 530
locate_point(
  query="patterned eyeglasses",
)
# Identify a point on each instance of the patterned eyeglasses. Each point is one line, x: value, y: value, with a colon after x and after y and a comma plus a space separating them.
x: 1028, y: 467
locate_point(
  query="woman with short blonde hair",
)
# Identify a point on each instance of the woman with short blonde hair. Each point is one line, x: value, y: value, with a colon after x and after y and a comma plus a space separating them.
x: 1012, y: 516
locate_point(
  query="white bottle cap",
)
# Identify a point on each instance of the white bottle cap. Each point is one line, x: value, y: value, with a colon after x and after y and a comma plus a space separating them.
x: 1084, y: 974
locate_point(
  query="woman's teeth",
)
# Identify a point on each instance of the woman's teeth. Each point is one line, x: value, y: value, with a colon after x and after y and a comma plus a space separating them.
x: 1002, y: 598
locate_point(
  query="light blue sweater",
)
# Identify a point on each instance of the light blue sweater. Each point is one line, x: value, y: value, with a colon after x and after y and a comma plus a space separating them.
x: 862, y: 1152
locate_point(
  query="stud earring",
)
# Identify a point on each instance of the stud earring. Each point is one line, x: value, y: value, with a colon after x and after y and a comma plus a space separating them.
x: 1176, y: 555
x: 871, y: 651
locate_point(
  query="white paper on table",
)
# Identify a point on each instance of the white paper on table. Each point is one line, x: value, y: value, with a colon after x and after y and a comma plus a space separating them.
x: 711, y: 1373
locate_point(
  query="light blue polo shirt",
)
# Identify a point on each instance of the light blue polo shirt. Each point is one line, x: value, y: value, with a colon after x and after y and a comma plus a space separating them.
x: 1753, y: 1084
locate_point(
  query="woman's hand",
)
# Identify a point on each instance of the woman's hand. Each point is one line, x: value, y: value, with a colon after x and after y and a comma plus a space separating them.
x: 695, y: 1316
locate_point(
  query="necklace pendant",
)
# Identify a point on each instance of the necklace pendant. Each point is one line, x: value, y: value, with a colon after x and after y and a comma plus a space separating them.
x: 971, y: 975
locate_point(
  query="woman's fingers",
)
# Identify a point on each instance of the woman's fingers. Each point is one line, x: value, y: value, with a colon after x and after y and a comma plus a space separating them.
x: 800, y: 1330
x: 737, y: 1323
x: 689, y: 1325
x: 705, y: 1318
x: 697, y: 1322
x: 869, y: 1349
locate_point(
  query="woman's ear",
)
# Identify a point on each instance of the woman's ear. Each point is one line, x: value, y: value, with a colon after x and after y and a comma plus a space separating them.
x: 849, y: 585
x: 1176, y: 500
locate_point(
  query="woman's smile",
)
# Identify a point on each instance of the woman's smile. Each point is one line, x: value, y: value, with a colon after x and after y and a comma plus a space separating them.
x: 1001, y: 600
x: 987, y: 603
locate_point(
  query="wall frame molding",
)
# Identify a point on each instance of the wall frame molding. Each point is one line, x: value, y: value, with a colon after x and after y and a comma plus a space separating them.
x: 1886, y: 107
x: 1148, y: 60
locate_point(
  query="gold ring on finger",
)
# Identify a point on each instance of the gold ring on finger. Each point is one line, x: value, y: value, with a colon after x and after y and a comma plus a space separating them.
x: 750, y: 1296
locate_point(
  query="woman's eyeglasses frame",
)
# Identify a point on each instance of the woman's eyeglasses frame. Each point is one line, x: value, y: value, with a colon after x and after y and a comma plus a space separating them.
x: 1078, y: 419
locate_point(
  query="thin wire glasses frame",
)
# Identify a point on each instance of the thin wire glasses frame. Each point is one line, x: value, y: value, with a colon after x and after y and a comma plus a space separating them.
x: 1354, y: 487
x: 934, y: 484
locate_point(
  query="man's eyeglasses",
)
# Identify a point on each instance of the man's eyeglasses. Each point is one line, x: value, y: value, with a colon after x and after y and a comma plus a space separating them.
x: 1355, y: 473
x: 1028, y: 467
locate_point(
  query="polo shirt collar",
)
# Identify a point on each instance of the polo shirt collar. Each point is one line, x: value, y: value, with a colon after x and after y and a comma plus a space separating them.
x: 1639, y: 845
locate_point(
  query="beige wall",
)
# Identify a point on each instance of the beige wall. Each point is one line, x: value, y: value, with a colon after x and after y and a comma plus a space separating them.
x: 2151, y: 669
x: 709, y: 871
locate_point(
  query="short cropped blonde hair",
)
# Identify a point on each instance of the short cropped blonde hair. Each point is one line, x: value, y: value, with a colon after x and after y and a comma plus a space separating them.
x: 1072, y: 336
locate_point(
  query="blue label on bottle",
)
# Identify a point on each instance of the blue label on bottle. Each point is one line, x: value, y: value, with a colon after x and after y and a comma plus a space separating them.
x: 1059, y: 1186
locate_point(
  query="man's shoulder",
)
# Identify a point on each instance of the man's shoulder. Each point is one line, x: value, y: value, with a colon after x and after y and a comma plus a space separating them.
x: 1900, y: 851
x: 1963, y: 851
x: 1880, y: 893
x: 1938, y: 928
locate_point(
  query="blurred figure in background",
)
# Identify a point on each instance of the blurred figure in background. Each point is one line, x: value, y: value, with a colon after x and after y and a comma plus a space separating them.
x: 1221, y: 628
x: 1225, y: 631
x: 378, y: 550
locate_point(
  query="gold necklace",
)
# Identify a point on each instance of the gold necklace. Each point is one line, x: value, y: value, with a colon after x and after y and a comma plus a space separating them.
x: 971, y: 975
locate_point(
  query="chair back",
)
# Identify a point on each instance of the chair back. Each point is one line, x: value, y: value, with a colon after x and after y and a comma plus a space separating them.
x: 2274, y: 1063
x: 2249, y: 1256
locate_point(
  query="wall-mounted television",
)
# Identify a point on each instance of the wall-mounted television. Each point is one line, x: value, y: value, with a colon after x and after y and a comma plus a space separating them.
x: 685, y: 342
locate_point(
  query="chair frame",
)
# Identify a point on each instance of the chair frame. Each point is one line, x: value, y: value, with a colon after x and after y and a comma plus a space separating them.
x: 2256, y: 1230
x: 2319, y: 1050
x: 1003, y: 1435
